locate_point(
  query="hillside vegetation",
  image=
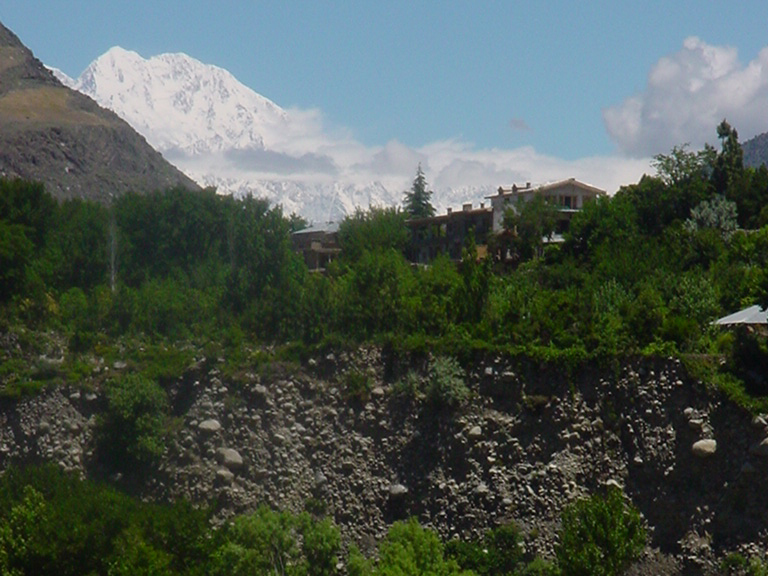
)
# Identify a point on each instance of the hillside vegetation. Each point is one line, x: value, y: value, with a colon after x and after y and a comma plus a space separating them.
x: 645, y: 271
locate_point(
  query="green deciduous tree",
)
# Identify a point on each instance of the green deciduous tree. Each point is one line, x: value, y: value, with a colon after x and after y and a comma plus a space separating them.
x: 600, y: 536
x: 532, y: 222
x: 417, y: 200
x: 498, y: 552
x: 682, y: 166
x: 374, y: 229
x: 267, y: 542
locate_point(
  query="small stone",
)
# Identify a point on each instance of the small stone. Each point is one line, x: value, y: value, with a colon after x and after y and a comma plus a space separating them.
x: 704, y: 448
x: 759, y: 423
x: 224, y: 475
x: 613, y: 483
x: 695, y: 423
x: 210, y: 426
x: 230, y: 458
x: 475, y: 432
x: 119, y: 365
x: 397, y: 491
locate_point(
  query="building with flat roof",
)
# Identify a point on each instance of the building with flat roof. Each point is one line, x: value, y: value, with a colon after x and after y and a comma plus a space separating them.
x: 447, y: 233
x: 569, y: 196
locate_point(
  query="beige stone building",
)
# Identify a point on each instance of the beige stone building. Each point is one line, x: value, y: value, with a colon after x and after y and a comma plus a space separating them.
x: 569, y: 196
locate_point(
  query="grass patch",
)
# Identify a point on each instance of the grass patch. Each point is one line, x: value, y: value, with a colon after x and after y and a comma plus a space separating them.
x: 357, y: 385
x: 163, y: 363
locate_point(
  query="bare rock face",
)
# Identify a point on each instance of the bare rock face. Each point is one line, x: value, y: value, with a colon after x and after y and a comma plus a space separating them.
x: 291, y: 435
x: 57, y: 136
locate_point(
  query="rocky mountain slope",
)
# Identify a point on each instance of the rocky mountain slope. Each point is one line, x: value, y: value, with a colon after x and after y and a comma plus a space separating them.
x: 62, y: 138
x: 756, y: 151
x: 531, y: 439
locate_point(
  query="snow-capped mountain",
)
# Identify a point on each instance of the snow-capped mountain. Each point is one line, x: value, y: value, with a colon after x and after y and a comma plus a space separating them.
x: 223, y: 134
x: 181, y: 104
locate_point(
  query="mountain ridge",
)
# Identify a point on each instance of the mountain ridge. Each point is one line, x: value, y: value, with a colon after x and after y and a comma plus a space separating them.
x: 756, y: 151
x: 61, y: 137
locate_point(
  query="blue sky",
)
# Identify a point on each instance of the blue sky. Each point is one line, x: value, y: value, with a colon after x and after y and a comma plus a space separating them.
x: 569, y: 79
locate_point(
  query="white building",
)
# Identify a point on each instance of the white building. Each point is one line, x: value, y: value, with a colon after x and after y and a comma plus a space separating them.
x: 569, y: 196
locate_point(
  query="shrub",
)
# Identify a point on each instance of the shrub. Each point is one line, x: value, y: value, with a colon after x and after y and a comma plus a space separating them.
x: 357, y: 384
x: 409, y: 385
x: 446, y: 385
x: 408, y: 548
x: 265, y: 542
x: 600, y: 536
x: 497, y: 552
x: 132, y: 427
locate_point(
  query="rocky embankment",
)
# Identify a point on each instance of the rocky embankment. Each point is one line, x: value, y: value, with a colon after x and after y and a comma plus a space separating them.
x: 530, y: 440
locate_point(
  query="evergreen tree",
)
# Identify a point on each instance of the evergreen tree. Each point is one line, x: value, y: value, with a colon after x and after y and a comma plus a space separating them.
x: 417, y: 200
x: 729, y: 164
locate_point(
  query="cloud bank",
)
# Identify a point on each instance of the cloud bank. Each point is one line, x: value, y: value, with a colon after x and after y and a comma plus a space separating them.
x: 687, y: 95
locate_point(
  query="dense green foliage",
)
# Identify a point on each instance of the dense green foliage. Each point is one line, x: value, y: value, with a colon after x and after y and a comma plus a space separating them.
x: 407, y: 549
x: 132, y: 425
x: 55, y: 524
x: 267, y: 542
x: 600, y: 536
x: 644, y: 271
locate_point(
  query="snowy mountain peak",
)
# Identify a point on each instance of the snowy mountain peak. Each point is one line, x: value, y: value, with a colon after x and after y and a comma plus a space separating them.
x: 180, y: 104
x: 223, y: 134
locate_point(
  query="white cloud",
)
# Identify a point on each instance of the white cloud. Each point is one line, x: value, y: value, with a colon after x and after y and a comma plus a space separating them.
x: 687, y: 95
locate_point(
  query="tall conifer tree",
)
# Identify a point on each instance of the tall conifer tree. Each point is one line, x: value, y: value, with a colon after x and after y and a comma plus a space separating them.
x: 417, y: 200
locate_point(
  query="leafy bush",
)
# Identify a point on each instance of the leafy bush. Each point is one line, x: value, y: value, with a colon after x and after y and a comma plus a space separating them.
x: 600, y: 536
x: 497, y: 552
x: 409, y: 385
x: 410, y: 549
x: 131, y: 429
x: 446, y: 385
x: 55, y: 524
x: 266, y: 542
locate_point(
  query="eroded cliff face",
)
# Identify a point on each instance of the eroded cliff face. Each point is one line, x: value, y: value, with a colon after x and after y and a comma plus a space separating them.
x: 530, y: 440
